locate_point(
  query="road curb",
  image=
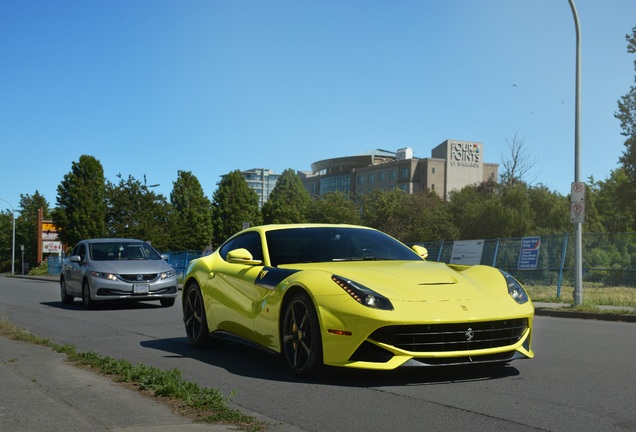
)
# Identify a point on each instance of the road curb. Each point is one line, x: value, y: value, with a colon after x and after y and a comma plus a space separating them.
x: 565, y: 313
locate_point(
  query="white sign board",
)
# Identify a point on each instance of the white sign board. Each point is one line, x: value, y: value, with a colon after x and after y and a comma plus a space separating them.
x: 467, y: 252
x: 51, y: 247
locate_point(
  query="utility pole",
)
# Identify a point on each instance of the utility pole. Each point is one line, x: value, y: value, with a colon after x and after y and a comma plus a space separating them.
x: 578, y: 228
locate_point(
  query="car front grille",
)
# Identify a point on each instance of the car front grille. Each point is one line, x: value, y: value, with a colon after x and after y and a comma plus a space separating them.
x: 452, y: 337
x: 146, y: 277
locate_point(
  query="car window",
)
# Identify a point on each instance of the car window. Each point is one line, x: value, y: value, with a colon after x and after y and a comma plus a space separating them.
x: 122, y: 250
x: 301, y: 245
x: 250, y: 241
x: 81, y: 251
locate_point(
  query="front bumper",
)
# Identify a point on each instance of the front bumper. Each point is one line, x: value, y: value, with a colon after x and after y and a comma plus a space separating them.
x: 103, y: 289
x: 434, y: 334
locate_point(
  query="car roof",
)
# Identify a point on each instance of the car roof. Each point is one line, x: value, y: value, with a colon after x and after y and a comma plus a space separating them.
x: 272, y: 227
x: 111, y: 240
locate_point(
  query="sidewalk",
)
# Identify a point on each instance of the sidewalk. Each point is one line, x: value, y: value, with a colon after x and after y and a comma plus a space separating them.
x: 561, y: 310
x: 41, y: 391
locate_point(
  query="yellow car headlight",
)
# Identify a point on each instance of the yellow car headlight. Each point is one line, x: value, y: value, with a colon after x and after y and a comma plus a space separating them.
x: 515, y: 289
x: 363, y: 295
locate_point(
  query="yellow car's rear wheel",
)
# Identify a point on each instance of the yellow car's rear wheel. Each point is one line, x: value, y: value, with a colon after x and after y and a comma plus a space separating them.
x: 302, y: 345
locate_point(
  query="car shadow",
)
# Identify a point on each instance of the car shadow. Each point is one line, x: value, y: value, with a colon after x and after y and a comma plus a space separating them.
x: 246, y: 360
x: 105, y: 305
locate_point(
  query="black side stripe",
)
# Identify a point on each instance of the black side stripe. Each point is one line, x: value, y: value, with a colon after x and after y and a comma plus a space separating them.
x: 270, y: 277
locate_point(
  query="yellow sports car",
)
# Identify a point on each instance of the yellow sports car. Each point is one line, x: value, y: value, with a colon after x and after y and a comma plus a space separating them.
x: 352, y: 296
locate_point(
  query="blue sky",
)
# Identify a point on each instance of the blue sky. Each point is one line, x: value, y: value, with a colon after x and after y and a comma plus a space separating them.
x: 154, y: 87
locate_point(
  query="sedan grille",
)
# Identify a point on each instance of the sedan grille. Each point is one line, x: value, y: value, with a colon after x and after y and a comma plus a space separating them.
x: 452, y: 337
x: 139, y: 277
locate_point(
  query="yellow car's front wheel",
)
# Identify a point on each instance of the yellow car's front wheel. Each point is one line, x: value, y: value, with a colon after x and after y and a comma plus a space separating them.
x: 302, y: 346
x: 196, y: 324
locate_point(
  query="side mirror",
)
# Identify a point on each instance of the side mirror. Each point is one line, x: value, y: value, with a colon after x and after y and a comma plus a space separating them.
x: 421, y: 251
x: 242, y: 256
x: 75, y: 258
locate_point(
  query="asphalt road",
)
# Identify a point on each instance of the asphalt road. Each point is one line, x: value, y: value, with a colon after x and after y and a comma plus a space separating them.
x: 582, y: 379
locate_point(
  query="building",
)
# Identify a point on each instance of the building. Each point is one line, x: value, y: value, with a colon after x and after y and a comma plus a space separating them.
x: 262, y: 181
x: 453, y: 164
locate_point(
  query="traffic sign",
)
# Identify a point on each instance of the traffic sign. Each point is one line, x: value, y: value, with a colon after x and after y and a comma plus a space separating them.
x: 577, y: 202
x: 577, y: 212
x: 578, y: 192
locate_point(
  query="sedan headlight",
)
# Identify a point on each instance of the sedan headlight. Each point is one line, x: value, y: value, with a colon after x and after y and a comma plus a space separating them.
x: 168, y: 274
x: 515, y: 289
x: 109, y: 276
x: 362, y: 294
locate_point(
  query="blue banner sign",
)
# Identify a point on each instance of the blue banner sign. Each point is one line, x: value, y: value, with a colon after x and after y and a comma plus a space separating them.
x: 529, y: 255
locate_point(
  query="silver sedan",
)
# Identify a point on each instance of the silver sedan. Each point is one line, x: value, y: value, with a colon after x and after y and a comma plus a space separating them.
x: 117, y: 269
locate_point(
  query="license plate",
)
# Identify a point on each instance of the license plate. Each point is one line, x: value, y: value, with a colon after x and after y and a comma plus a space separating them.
x: 141, y: 288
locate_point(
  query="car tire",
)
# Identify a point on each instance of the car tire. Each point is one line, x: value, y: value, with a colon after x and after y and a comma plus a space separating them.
x: 301, y: 339
x: 167, y: 302
x: 66, y: 299
x: 89, y: 303
x: 194, y: 317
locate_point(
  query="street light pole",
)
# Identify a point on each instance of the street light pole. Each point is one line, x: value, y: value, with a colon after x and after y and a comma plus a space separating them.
x: 578, y: 236
x: 13, y: 244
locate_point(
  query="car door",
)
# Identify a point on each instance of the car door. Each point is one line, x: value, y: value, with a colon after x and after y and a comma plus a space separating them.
x: 74, y: 272
x: 238, y: 298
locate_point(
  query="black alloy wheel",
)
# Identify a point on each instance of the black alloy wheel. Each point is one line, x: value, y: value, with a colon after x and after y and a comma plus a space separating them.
x: 302, y: 344
x: 196, y: 324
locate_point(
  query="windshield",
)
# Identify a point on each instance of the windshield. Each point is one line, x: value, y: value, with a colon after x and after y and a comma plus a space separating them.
x: 328, y: 244
x: 122, y: 251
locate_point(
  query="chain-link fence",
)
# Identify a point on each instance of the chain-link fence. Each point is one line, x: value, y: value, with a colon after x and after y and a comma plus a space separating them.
x: 179, y: 260
x: 608, y: 259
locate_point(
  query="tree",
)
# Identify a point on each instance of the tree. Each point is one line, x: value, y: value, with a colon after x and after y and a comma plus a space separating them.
x: 134, y: 211
x: 627, y: 116
x: 426, y: 218
x: 27, y: 225
x: 6, y: 240
x: 191, y: 214
x: 487, y: 210
x: 607, y: 196
x: 379, y: 210
x: 550, y: 211
x: 234, y: 203
x: 81, y: 202
x: 333, y: 207
x: 517, y: 165
x: 289, y: 200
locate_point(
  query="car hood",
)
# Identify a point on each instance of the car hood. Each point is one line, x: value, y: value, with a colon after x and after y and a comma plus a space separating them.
x: 130, y: 266
x: 419, y: 280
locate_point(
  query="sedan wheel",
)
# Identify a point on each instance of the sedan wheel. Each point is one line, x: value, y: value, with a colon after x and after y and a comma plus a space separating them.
x: 66, y: 299
x: 302, y: 345
x: 196, y: 323
x: 86, y: 296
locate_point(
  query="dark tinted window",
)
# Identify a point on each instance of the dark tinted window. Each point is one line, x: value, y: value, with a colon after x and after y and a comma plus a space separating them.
x: 298, y: 245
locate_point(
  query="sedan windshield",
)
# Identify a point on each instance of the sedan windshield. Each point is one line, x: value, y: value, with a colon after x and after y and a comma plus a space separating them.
x: 328, y: 244
x: 122, y: 251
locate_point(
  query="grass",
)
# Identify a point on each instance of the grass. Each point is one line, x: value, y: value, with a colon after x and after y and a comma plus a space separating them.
x: 202, y: 404
x: 593, y: 295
